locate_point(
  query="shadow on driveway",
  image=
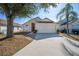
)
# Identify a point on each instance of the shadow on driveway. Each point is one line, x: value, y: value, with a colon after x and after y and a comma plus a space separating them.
x: 40, y: 36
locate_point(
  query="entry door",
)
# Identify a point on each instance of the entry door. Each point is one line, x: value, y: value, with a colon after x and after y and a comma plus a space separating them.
x: 32, y: 27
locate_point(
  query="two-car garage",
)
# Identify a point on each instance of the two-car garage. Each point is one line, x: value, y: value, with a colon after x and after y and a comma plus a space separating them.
x: 45, y: 27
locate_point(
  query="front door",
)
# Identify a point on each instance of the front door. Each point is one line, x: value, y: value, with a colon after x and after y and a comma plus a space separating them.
x: 33, y: 27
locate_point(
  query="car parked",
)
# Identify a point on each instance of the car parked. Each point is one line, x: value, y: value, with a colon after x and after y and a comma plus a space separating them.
x: 75, y: 30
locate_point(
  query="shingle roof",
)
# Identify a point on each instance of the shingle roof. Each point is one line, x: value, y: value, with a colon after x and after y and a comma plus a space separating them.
x: 36, y: 19
x: 16, y: 24
x: 3, y: 22
x: 45, y: 20
x: 39, y: 20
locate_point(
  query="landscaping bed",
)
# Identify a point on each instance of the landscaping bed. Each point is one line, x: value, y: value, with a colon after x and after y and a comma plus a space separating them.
x: 21, y: 33
x: 11, y: 45
x: 71, y: 36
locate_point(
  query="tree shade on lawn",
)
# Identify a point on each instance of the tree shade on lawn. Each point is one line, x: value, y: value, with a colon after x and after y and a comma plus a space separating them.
x: 68, y: 14
x: 13, y: 10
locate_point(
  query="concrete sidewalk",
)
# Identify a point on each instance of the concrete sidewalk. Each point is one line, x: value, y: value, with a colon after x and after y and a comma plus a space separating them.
x: 47, y: 47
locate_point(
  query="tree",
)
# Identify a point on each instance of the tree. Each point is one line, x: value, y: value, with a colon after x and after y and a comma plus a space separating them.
x: 13, y: 10
x: 68, y: 14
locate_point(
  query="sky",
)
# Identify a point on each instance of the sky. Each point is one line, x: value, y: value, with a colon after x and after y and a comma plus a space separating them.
x: 51, y: 14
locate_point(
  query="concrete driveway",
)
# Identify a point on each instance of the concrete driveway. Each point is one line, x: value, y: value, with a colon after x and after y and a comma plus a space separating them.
x: 44, y: 45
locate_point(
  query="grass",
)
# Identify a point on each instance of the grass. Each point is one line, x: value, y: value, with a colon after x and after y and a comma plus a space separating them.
x: 10, y: 46
x: 20, y: 32
x: 71, y: 36
x: 2, y: 35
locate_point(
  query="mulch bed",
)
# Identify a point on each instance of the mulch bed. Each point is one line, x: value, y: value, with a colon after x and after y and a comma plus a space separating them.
x: 10, y: 46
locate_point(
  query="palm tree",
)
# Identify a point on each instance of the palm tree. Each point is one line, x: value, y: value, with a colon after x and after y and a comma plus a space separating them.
x: 12, y: 11
x: 68, y: 14
x: 73, y: 17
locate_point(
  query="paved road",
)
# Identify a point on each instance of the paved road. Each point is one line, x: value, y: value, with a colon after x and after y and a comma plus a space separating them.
x: 44, y: 45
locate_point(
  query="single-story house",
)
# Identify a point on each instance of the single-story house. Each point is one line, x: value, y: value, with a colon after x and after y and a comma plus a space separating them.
x: 41, y: 25
x: 71, y: 25
x: 3, y: 27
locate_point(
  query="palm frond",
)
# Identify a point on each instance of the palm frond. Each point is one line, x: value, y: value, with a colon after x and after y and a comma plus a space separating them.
x: 69, y: 6
x: 62, y: 17
x: 65, y: 11
x: 60, y: 13
x: 73, y: 13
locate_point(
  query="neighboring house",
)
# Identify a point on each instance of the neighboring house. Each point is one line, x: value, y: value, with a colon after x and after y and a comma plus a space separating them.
x: 41, y: 25
x: 72, y: 25
x: 17, y: 27
x: 3, y: 27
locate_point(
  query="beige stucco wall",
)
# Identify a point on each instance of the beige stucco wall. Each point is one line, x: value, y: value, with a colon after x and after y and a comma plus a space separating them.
x: 17, y: 29
x: 27, y: 26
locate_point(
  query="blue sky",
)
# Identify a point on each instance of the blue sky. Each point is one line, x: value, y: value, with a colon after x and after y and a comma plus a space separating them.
x: 51, y: 14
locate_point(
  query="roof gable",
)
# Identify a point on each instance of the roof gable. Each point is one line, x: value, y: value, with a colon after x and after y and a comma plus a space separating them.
x: 31, y: 20
x: 35, y: 19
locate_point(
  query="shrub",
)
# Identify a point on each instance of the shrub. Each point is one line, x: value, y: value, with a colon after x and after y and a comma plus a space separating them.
x: 63, y: 31
x: 57, y: 30
x: 35, y: 31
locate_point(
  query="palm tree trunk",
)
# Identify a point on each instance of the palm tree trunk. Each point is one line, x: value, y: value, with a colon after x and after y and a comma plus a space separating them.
x: 67, y: 24
x: 67, y: 27
x: 10, y: 27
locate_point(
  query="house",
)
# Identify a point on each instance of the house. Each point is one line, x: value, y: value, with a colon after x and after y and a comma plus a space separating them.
x: 71, y: 25
x: 41, y: 25
x: 3, y: 26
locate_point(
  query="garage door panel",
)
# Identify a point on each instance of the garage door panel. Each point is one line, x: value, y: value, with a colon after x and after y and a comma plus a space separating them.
x: 45, y: 27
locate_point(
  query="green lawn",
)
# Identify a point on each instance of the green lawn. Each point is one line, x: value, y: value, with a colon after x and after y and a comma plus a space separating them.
x: 76, y: 37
